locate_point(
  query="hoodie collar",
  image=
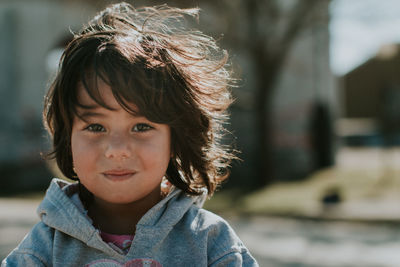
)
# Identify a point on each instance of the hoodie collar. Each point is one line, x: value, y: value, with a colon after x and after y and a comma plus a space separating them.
x: 59, y: 211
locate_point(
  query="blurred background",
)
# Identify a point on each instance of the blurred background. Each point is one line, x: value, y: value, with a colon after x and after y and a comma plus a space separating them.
x: 316, y: 119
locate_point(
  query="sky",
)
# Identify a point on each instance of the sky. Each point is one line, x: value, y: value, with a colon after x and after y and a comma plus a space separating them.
x: 359, y: 28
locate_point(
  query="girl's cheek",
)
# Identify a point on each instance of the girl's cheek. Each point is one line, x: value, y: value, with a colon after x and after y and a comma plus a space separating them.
x: 93, y: 144
x: 82, y: 143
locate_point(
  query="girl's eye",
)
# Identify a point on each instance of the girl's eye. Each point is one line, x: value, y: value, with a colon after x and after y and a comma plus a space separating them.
x: 141, y: 127
x: 95, y: 128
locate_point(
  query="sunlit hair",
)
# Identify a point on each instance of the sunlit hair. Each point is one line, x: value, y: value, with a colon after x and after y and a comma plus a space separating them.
x: 173, y: 75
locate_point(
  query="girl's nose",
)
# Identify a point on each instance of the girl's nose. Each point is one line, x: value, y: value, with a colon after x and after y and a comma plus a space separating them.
x: 118, y: 148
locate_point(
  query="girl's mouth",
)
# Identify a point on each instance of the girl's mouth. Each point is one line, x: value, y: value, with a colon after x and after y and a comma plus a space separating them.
x: 118, y: 175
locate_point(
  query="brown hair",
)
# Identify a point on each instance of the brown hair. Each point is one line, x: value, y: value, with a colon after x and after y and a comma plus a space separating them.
x: 172, y: 74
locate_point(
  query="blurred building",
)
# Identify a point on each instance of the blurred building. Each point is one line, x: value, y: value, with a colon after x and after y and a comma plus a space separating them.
x: 371, y: 97
x: 304, y: 106
x: 32, y: 33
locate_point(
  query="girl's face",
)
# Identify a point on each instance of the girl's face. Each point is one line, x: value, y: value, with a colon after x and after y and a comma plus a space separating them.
x: 118, y: 157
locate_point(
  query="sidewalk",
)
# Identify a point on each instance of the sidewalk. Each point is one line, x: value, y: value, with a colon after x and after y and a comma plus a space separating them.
x: 17, y: 216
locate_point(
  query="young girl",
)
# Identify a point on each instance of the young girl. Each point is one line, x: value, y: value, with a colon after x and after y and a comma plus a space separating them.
x: 136, y: 113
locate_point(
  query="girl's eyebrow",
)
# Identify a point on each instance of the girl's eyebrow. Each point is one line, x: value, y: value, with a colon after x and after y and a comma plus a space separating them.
x: 90, y: 114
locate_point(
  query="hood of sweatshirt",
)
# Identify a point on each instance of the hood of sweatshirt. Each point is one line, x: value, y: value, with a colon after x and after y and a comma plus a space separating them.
x: 60, y: 211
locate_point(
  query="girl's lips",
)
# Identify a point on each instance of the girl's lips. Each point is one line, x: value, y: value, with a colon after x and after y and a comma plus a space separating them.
x: 118, y: 175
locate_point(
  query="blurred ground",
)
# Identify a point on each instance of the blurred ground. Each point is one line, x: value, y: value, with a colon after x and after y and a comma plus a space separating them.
x: 285, y: 242
x: 363, y: 186
x: 347, y: 215
x: 358, y: 228
x: 17, y: 216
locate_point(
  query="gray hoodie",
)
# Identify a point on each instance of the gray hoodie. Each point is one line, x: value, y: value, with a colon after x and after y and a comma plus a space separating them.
x: 175, y: 232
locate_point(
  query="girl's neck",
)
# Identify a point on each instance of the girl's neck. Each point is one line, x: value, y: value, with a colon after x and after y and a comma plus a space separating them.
x: 120, y: 219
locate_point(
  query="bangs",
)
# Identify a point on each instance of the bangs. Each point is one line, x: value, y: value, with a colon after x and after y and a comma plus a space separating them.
x: 149, y: 88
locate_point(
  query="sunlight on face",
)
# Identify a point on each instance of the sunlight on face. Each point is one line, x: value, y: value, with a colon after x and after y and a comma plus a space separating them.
x: 119, y: 157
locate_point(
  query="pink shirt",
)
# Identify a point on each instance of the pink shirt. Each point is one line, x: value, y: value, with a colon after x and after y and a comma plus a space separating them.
x: 121, y: 241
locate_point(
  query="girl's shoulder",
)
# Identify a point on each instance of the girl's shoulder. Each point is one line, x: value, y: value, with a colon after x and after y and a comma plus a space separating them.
x: 223, y: 245
x: 200, y: 220
x: 207, y: 219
